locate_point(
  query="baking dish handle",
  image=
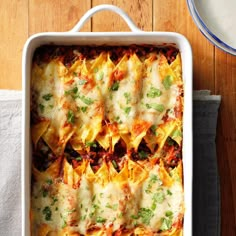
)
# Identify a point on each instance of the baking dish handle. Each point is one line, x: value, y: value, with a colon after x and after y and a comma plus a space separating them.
x: 103, y: 7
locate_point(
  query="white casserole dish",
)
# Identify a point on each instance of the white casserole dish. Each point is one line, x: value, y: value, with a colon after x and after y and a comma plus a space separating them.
x: 137, y: 36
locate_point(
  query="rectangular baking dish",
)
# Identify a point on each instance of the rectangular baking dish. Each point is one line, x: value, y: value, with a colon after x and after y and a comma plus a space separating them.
x: 73, y: 37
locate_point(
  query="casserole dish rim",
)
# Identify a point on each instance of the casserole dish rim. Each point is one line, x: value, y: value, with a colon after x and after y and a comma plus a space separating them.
x: 108, y: 38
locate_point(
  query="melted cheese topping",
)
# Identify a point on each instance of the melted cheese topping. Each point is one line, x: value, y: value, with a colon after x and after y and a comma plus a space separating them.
x: 95, y: 101
x: 148, y: 204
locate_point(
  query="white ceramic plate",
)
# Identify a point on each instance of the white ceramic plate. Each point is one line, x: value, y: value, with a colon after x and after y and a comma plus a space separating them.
x: 216, y: 19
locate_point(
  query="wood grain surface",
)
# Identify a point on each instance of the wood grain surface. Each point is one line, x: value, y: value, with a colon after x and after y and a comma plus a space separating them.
x: 213, y: 69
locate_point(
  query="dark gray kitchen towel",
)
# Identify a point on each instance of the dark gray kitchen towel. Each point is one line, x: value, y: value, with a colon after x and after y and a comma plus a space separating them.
x: 206, y: 188
x: 206, y: 210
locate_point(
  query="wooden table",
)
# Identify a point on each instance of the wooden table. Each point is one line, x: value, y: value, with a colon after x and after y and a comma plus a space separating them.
x: 213, y: 69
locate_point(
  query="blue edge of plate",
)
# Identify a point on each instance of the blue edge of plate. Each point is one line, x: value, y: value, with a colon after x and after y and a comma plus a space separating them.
x: 224, y: 46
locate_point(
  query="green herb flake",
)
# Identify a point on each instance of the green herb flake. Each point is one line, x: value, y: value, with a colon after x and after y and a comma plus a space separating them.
x: 176, y: 133
x: 153, y: 178
x: 64, y: 221
x: 41, y: 107
x: 114, y: 164
x: 91, y: 144
x: 169, y: 192
x: 143, y: 155
x: 54, y: 200
x: 47, y: 97
x: 82, y: 81
x: 115, y: 86
x: 100, y: 75
x: 100, y: 219
x: 127, y: 97
x: 71, y: 91
x: 165, y: 224
x: 148, y: 191
x: 127, y: 110
x: 94, y: 197
x: 49, y: 181
x: 167, y: 82
x: 95, y: 70
x: 47, y: 213
x: 86, y: 100
x: 44, y: 192
x: 146, y: 215
x: 155, y: 106
x: 169, y: 214
x: 84, y: 109
x: 135, y: 217
x: 69, y: 211
x: 154, y: 92
x: 79, y: 158
x: 158, y: 197
x: 153, y: 129
x: 70, y: 117
x: 170, y: 141
x: 154, y: 205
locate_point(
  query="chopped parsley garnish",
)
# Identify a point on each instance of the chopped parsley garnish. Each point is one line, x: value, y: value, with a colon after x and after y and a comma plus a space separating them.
x: 49, y: 181
x: 83, y: 109
x: 146, y: 215
x: 54, y: 200
x: 79, y: 158
x: 95, y: 70
x: 115, y: 86
x: 113, y: 207
x: 155, y: 106
x: 135, y: 217
x: 64, y: 221
x: 154, y: 205
x: 127, y: 110
x: 165, y: 224
x: 94, y: 197
x: 44, y: 192
x: 41, y: 107
x: 70, y: 117
x: 71, y: 91
x: 143, y: 155
x: 100, y: 75
x: 127, y: 97
x: 47, y: 97
x: 114, y: 164
x: 158, y: 197
x: 169, y: 214
x: 69, y: 211
x: 82, y: 81
x: 154, y: 92
x: 100, y: 219
x: 91, y: 144
x: 170, y: 141
x: 169, y: 192
x: 153, y: 178
x: 167, y: 81
x: 176, y: 133
x: 47, y: 213
x: 153, y: 128
x: 86, y: 100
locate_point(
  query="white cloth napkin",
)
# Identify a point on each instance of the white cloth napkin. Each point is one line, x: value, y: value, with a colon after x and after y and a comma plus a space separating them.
x: 205, y: 109
x: 10, y: 163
